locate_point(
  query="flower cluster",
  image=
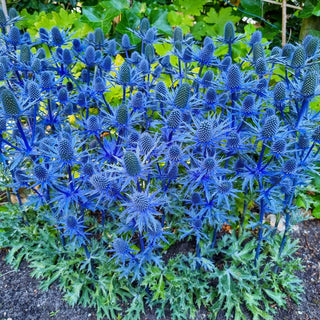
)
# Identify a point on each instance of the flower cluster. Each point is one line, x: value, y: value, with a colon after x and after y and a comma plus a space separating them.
x: 193, y: 135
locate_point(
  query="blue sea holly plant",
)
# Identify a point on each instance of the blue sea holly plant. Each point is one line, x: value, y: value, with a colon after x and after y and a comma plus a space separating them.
x: 146, y: 178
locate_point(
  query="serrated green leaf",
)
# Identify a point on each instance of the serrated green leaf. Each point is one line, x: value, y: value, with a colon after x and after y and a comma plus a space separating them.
x: 278, y: 297
x: 193, y: 7
x: 316, y: 211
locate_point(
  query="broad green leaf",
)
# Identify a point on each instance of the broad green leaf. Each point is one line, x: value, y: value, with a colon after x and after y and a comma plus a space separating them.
x: 162, y: 48
x: 116, y: 4
x: 92, y: 14
x: 159, y: 19
x: 252, y: 6
x: 316, y: 10
x: 308, y: 9
x: 128, y: 20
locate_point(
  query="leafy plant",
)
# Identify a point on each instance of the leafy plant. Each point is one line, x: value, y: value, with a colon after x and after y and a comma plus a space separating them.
x: 128, y: 149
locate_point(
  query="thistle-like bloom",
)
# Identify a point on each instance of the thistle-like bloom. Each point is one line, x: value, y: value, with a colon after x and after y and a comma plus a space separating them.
x: 74, y: 229
x: 122, y: 250
x: 142, y: 209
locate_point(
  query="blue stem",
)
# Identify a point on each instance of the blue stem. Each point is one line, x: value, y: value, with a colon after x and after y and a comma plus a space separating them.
x: 303, y: 111
x: 142, y: 247
x: 214, y: 236
x: 23, y: 135
x: 262, y: 208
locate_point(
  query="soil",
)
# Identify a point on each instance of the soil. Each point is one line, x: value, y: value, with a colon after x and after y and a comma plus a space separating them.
x: 20, y: 298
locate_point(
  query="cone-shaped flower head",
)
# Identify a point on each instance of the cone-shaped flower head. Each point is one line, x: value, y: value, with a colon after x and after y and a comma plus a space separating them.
x: 289, y: 166
x: 144, y: 26
x: 224, y: 186
x: 255, y: 37
x: 56, y: 36
x: 131, y: 164
x: 257, y: 52
x: 125, y: 74
x: 137, y: 100
x: 312, y: 47
x: 298, y: 58
x: 175, y: 153
x: 233, y: 140
x: 89, y: 56
x: 149, y: 53
x: 211, y: 96
x: 3, y: 19
x: 10, y: 103
x: 177, y: 34
x: 33, y: 91
x: 174, y: 119
x: 287, y: 50
x: 316, y: 134
x: 93, y: 123
x: 303, y: 140
x: 309, y: 84
x: 146, y: 142
x: 161, y: 90
x: 88, y: 169
x: 229, y: 32
x: 206, y: 53
x: 63, y: 95
x: 234, y: 77
x: 204, y: 131
x: 65, y: 150
x: 261, y: 66
x: 98, y: 37
x: 247, y: 107
x: 122, y: 115
x: 25, y: 54
x: 182, y: 96
x: 279, y: 91
x: 125, y: 42
x: 278, y: 147
x: 195, y: 198
x: 40, y: 172
x: 100, y: 181
x: 270, y: 127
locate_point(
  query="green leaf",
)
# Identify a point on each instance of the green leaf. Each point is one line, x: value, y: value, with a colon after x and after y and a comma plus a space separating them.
x: 159, y: 19
x: 162, y: 48
x: 182, y: 20
x: 199, y: 30
x: 252, y: 6
x: 278, y: 297
x: 116, y: 4
x: 128, y: 20
x: 316, y: 10
x: 92, y: 14
x: 193, y: 7
x: 160, y: 289
x: 219, y: 19
x: 316, y: 211
x: 307, y: 11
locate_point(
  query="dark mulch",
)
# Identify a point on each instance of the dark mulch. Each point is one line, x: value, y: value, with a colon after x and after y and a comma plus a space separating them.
x: 20, y: 298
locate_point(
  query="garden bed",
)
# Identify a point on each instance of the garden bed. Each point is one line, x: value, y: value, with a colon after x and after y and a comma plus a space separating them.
x: 21, y: 299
